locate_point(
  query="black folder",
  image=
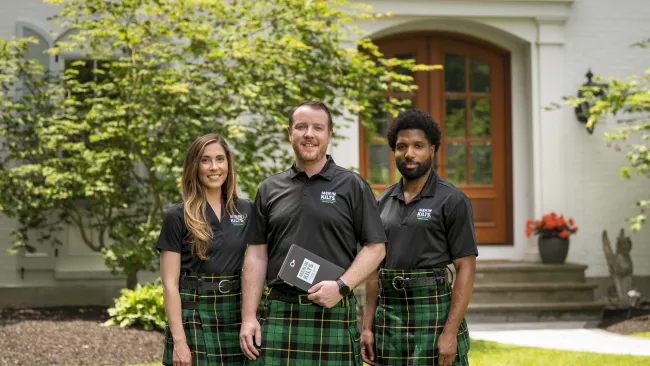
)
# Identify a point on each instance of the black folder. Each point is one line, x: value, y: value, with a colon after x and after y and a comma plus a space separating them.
x: 303, y: 269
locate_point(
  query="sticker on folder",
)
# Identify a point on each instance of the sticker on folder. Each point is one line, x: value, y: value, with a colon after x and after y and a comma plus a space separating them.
x: 308, y: 271
x: 302, y: 269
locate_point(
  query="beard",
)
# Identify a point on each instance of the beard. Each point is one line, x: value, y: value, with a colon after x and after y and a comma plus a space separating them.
x: 413, y: 173
x: 309, y: 157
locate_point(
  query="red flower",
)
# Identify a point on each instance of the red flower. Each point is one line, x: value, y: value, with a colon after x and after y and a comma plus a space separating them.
x: 551, y: 224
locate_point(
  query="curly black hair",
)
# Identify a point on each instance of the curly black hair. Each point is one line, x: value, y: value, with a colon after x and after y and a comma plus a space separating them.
x: 414, y: 119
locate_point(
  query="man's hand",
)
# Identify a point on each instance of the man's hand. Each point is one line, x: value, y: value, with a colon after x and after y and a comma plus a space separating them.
x: 368, y: 347
x: 250, y: 334
x: 325, y: 293
x: 447, y: 348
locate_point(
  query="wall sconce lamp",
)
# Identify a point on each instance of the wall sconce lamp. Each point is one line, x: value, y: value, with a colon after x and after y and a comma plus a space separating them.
x: 582, y: 110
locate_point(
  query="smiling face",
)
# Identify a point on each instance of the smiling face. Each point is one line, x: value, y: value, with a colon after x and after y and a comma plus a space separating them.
x: 213, y: 167
x: 413, y: 153
x: 310, y: 135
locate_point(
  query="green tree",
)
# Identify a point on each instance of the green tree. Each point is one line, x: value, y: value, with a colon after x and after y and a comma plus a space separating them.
x: 100, y: 146
x: 627, y: 100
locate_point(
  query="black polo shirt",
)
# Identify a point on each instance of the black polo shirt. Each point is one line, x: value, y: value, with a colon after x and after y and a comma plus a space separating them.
x: 227, y: 249
x: 327, y: 214
x: 433, y: 229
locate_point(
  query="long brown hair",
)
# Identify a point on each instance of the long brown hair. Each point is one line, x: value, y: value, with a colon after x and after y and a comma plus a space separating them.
x: 194, y: 199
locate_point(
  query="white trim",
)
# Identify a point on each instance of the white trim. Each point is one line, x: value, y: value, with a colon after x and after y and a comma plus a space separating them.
x: 475, y: 8
x: 22, y: 24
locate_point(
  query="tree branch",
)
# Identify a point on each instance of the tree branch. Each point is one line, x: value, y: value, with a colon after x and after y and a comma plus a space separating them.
x: 77, y: 218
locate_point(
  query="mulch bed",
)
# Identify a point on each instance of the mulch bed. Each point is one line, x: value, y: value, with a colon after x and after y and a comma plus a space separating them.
x: 72, y: 336
x: 623, y: 321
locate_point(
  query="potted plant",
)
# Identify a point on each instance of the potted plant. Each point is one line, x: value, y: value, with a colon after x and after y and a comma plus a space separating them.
x: 553, y: 241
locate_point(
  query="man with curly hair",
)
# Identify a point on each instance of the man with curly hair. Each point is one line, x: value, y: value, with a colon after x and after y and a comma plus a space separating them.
x: 418, y: 319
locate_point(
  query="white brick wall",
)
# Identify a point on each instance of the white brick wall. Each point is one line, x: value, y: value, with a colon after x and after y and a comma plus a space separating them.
x: 598, y: 35
x: 7, y: 261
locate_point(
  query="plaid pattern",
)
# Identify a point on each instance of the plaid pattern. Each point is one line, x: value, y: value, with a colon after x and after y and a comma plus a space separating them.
x: 408, y: 322
x: 309, y: 334
x: 212, y: 330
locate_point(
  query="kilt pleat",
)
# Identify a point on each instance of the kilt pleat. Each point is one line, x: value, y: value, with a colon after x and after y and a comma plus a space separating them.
x: 408, y: 322
x: 212, y: 329
x: 309, y: 334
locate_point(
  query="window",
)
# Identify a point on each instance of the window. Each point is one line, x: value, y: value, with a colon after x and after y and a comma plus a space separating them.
x: 44, y: 256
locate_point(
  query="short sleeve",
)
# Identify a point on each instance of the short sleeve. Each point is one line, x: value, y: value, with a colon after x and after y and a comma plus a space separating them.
x: 172, y: 231
x: 368, y: 227
x: 255, y: 227
x: 461, y: 237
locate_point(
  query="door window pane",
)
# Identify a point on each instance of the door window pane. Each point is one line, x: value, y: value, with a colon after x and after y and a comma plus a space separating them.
x: 456, y: 162
x: 378, y: 163
x: 402, y: 70
x: 380, y: 119
x: 481, y: 162
x: 455, y: 118
x: 479, y: 76
x: 480, y: 117
x: 454, y: 73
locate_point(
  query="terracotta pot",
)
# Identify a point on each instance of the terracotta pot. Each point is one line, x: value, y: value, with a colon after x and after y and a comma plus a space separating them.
x: 552, y: 249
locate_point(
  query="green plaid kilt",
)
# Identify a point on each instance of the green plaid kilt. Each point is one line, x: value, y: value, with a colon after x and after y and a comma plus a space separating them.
x: 212, y: 330
x: 309, y: 334
x: 408, y: 322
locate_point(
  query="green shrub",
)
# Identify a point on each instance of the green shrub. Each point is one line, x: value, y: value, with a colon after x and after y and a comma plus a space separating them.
x: 143, y: 306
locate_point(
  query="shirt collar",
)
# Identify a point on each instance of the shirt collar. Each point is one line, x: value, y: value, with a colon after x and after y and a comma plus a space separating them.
x: 327, y: 172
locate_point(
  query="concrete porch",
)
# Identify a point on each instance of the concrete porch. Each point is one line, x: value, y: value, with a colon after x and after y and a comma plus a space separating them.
x: 518, y: 291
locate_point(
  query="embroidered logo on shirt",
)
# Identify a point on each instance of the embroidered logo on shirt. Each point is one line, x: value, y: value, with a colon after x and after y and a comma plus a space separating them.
x: 424, y: 213
x: 328, y: 197
x: 237, y: 220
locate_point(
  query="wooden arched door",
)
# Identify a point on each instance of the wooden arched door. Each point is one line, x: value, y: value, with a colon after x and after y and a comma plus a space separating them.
x: 470, y: 101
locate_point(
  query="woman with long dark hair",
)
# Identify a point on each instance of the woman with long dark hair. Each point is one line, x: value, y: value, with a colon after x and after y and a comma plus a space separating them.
x: 201, y: 254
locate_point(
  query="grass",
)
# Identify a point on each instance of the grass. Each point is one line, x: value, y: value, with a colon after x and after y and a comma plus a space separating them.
x: 486, y: 353
x: 642, y: 334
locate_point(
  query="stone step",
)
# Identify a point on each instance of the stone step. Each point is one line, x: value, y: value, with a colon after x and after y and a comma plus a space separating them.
x: 514, y: 272
x: 532, y: 292
x: 538, y: 312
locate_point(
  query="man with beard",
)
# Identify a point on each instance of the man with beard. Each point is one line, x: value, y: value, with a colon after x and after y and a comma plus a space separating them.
x: 327, y: 210
x: 419, y: 319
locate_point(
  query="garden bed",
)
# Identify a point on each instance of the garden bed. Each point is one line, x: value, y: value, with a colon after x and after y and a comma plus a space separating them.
x: 72, y: 336
x: 616, y: 320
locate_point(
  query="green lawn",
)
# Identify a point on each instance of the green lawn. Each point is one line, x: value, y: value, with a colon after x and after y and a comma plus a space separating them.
x: 642, y: 334
x: 485, y: 353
